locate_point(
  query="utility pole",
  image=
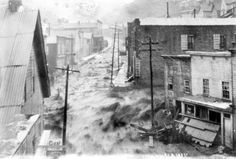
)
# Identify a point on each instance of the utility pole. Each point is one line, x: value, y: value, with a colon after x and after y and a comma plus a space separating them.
x: 66, y: 104
x: 150, y: 43
x: 167, y: 10
x: 65, y: 107
x: 118, y: 49
x: 71, y: 47
x: 113, y: 50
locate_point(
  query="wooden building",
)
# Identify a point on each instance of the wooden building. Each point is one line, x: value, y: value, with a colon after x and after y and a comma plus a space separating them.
x: 24, y: 81
x: 204, y: 95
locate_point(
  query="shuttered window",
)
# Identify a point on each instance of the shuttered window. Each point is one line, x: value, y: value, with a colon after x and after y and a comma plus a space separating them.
x: 219, y: 41
x: 216, y: 41
x: 184, y: 42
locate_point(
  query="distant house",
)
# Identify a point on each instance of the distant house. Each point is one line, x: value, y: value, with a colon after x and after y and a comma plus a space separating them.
x: 77, y: 31
x: 24, y: 81
x: 175, y: 36
x: 60, y: 51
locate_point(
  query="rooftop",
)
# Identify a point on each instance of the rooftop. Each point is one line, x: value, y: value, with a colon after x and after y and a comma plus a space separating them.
x: 215, y: 54
x: 188, y: 21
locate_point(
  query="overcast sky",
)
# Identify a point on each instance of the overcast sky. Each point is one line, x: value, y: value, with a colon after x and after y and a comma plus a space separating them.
x: 76, y: 9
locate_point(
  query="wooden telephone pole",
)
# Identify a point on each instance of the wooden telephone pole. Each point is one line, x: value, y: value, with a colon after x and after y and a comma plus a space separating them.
x: 66, y: 103
x: 150, y: 43
x: 118, y: 49
x: 113, y: 51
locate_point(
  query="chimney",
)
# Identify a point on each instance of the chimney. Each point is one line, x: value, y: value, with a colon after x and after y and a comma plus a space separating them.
x: 13, y: 5
x: 233, y: 80
x: 167, y: 10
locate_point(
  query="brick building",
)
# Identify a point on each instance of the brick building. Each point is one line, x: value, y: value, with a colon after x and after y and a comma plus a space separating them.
x: 175, y: 36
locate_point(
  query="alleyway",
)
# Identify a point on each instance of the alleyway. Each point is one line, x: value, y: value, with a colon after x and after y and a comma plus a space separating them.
x: 99, y: 116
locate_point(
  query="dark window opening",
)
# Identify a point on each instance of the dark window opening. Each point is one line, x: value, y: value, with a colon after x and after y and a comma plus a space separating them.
x: 214, y: 116
x: 201, y: 112
x: 190, y: 42
x: 222, y: 42
x: 170, y: 84
x: 227, y: 116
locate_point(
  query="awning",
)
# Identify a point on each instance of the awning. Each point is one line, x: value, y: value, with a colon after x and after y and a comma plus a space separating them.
x: 207, y: 102
x: 202, y: 132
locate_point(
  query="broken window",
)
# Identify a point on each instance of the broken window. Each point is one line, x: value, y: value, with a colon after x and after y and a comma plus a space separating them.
x: 189, y: 109
x: 225, y: 90
x: 170, y: 83
x: 201, y: 112
x: 186, y: 86
x: 206, y: 87
x: 214, y: 116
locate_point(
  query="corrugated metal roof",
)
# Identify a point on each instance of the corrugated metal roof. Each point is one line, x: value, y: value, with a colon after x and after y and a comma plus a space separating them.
x: 16, y: 39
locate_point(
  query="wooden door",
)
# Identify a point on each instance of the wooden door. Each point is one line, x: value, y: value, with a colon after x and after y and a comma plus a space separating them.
x: 227, y: 132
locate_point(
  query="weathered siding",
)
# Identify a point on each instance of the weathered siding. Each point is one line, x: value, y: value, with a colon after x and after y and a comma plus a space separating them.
x: 30, y: 141
x: 178, y: 70
x: 34, y: 98
x: 216, y: 69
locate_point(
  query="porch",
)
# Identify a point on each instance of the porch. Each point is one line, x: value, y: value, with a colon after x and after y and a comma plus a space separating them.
x: 208, y: 120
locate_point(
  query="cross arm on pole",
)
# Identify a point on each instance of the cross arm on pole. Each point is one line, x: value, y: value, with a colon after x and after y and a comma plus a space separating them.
x: 64, y: 69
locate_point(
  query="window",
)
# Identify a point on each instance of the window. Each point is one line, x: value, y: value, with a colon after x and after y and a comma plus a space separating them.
x: 214, y: 116
x: 187, y: 42
x: 222, y: 42
x: 184, y: 38
x: 201, y: 112
x: 190, y: 42
x: 219, y: 41
x: 137, y: 67
x: 170, y: 83
x: 186, y: 86
x: 225, y: 90
x: 189, y: 109
x: 206, y: 87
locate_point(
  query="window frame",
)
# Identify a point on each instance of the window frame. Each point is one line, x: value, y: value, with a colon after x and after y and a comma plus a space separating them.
x: 225, y: 90
x: 190, y: 42
x: 205, y: 87
x: 187, y: 89
x: 170, y: 83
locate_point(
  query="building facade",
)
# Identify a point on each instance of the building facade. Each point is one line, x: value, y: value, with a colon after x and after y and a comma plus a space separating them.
x: 175, y: 36
x: 24, y: 81
x: 209, y: 100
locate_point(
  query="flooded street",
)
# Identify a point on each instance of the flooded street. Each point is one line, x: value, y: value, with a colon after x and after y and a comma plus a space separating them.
x: 99, y: 115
